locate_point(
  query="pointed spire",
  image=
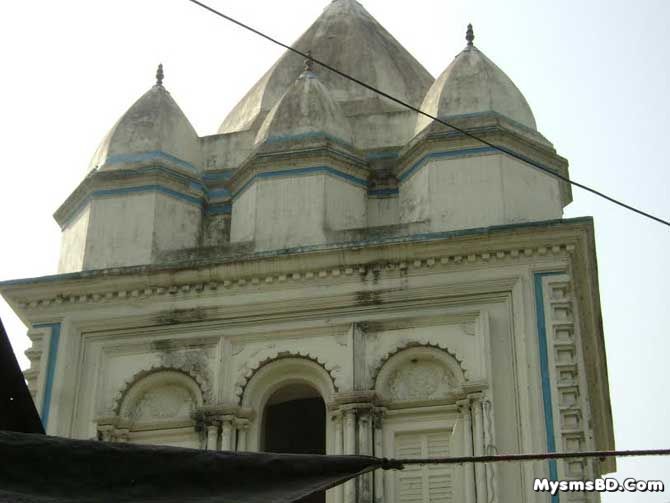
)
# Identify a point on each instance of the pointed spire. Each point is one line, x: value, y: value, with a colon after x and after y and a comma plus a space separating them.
x: 159, y: 75
x: 470, y: 35
x: 309, y: 62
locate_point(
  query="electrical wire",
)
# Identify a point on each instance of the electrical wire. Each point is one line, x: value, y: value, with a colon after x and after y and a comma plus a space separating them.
x: 421, y: 112
x: 396, y: 463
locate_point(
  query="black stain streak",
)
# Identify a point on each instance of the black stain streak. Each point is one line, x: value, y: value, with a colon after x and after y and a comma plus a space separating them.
x: 163, y: 345
x: 369, y: 298
x: 181, y: 316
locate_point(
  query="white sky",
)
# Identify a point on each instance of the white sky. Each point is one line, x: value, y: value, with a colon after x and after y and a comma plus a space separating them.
x: 595, y: 72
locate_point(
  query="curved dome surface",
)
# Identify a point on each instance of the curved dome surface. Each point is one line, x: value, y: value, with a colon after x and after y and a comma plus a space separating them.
x: 306, y: 109
x: 153, y: 125
x: 472, y: 83
x: 348, y: 38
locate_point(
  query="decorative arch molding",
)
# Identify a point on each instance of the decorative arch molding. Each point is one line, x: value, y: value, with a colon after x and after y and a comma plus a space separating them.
x: 403, y: 345
x: 285, y: 370
x: 153, y: 376
x: 418, y: 372
x: 255, y: 366
x: 275, y: 375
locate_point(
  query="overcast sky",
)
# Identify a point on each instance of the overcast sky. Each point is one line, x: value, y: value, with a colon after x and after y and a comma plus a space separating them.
x: 596, y: 74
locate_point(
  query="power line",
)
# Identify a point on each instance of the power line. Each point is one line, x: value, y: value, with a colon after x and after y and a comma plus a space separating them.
x: 421, y: 112
x: 398, y: 463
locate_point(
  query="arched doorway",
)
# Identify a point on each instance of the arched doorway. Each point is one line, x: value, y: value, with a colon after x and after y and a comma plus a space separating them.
x: 294, y: 421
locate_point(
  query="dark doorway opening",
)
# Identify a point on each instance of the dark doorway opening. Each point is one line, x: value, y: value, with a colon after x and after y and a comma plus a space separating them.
x: 295, y: 422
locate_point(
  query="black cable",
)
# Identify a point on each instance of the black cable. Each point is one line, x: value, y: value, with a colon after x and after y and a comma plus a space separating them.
x: 394, y: 463
x: 421, y: 112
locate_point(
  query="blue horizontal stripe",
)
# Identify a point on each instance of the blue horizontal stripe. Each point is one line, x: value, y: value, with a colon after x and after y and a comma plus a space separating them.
x: 141, y: 189
x: 383, y: 192
x: 219, y: 209
x: 306, y: 136
x: 430, y: 236
x: 215, y: 177
x: 489, y: 113
x: 301, y: 172
x: 149, y: 156
x: 442, y: 155
x: 218, y: 193
x: 134, y: 172
x: 147, y: 188
x: 374, y: 156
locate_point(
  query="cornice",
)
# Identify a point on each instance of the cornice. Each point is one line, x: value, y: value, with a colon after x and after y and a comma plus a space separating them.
x: 158, y: 175
x: 495, y: 130
x: 326, y: 154
x: 272, y: 271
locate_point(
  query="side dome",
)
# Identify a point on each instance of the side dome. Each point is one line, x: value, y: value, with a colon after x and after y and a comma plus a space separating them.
x: 471, y: 84
x: 154, y: 127
x: 348, y: 38
x: 307, y: 110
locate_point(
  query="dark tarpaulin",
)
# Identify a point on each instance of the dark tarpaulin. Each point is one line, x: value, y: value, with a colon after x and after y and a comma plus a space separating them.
x: 38, y: 468
x: 17, y: 410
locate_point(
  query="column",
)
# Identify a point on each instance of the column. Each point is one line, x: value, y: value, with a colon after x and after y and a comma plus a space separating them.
x: 377, y: 432
x: 478, y: 444
x: 490, y: 449
x: 338, y: 449
x: 242, y: 428
x: 365, y: 449
x: 212, y: 435
x: 227, y: 434
x: 350, y: 448
x: 468, y: 468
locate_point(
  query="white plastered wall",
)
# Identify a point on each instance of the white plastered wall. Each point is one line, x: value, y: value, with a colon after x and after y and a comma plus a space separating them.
x: 120, y: 231
x: 478, y: 191
x: 73, y: 242
x: 345, y: 204
x: 383, y: 211
x: 243, y: 220
x: 177, y: 225
x: 293, y: 211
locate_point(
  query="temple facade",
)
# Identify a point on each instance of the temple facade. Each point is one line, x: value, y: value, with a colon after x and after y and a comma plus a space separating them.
x: 332, y: 273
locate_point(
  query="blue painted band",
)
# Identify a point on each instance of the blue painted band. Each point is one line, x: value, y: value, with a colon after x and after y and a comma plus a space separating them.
x: 375, y: 156
x: 196, y: 201
x: 302, y: 172
x: 219, y: 194
x: 220, y: 209
x: 307, y: 136
x: 51, y: 369
x: 141, y: 189
x: 383, y: 192
x: 545, y: 375
x: 345, y: 245
x: 134, y: 172
x: 216, y: 177
x: 148, y: 156
x: 490, y: 113
x: 442, y: 155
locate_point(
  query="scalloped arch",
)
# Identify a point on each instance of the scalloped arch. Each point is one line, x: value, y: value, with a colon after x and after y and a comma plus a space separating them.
x: 416, y: 344
x: 201, y: 382
x: 258, y: 364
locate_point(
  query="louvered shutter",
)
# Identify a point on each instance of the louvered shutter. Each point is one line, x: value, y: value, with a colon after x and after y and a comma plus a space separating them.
x: 423, y: 484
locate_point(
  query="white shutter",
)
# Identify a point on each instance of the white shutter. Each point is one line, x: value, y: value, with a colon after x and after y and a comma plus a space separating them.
x: 423, y: 484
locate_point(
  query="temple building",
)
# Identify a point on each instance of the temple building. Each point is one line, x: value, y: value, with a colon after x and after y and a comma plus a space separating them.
x: 332, y: 273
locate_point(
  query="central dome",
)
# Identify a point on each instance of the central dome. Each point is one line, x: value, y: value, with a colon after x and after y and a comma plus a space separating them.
x: 348, y: 38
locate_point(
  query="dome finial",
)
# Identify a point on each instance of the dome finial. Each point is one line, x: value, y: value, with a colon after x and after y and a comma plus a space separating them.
x: 309, y: 62
x: 159, y: 75
x: 470, y: 35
